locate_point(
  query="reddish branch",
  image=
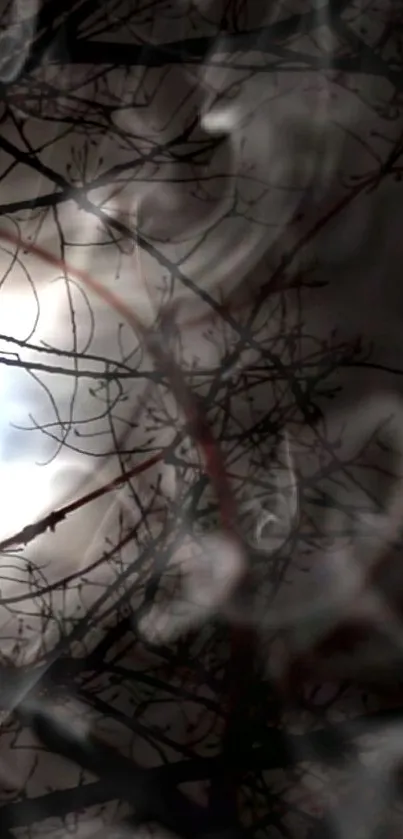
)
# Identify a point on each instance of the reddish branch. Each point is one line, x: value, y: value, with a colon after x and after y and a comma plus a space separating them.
x: 49, y: 522
x: 243, y: 641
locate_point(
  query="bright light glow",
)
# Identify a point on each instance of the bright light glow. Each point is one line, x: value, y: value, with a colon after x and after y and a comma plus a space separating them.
x: 25, y: 494
x: 220, y: 120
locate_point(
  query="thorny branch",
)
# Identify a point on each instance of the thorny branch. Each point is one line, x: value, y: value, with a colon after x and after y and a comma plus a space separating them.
x: 31, y: 531
x: 104, y: 153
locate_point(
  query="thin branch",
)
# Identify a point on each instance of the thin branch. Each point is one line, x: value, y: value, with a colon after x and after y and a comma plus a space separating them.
x: 49, y: 522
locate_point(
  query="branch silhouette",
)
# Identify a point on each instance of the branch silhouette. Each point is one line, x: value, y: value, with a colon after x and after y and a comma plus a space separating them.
x: 106, y: 159
x: 50, y: 522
